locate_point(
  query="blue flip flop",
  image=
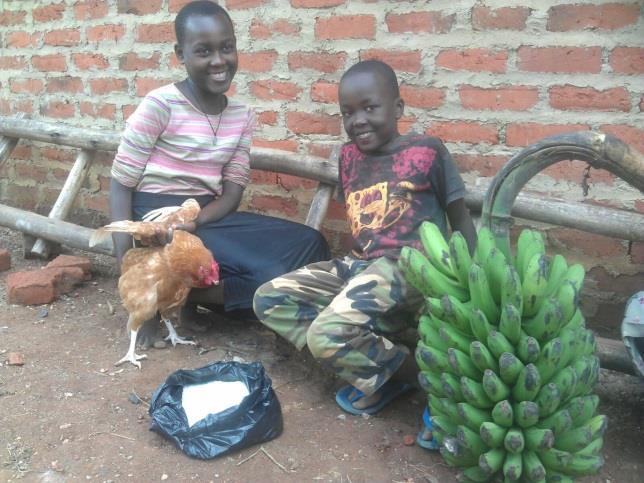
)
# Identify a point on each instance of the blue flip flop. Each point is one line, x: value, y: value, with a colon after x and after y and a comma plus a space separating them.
x: 390, y: 390
x: 429, y: 444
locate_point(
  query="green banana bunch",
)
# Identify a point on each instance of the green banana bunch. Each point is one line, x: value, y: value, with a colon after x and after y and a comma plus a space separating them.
x: 505, y: 358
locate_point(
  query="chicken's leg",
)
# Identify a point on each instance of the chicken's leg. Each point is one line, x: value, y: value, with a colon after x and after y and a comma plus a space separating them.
x: 131, y: 356
x: 174, y: 337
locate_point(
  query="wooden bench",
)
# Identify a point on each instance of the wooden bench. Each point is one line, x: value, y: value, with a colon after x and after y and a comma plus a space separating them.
x: 593, y: 219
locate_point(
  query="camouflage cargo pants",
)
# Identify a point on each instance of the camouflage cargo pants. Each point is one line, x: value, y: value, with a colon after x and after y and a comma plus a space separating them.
x: 345, y: 311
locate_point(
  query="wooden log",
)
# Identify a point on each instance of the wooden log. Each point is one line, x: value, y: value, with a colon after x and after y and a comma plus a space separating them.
x: 66, y: 198
x: 621, y: 224
x: 7, y: 143
x: 58, y: 231
x: 319, y: 205
x: 613, y: 355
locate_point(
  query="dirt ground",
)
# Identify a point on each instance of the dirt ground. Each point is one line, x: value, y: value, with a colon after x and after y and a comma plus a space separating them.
x: 69, y: 414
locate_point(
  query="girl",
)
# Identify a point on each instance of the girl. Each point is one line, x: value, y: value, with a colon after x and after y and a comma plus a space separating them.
x: 189, y: 140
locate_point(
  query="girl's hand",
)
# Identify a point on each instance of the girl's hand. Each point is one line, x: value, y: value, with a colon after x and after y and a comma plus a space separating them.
x: 160, y: 237
x: 190, y: 227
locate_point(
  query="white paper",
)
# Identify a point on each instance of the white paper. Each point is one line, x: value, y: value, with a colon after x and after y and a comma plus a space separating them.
x: 200, y: 400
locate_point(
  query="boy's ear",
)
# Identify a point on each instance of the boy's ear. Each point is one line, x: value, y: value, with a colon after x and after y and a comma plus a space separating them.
x: 178, y: 51
x: 400, y: 107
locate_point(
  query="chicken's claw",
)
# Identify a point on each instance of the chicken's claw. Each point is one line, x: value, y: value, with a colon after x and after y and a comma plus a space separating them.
x: 133, y: 358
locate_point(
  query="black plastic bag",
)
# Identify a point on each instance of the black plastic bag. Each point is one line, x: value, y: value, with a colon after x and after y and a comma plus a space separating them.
x: 256, y: 419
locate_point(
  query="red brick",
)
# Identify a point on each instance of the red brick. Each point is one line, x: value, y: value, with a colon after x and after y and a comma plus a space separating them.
x: 175, y: 5
x: 511, y: 98
x: 83, y: 263
x: 405, y: 61
x: 316, y: 3
x: 156, y: 33
x: 588, y: 99
x: 5, y: 260
x: 21, y: 39
x: 106, y: 85
x: 242, y: 4
x: 90, y: 61
x: 98, y: 110
x: 504, y: 18
x: 267, y: 118
x: 464, y: 131
x: 260, y: 177
x: 320, y: 61
x: 57, y: 154
x: 419, y: 22
x: 15, y: 359
x: 627, y: 60
x: 273, y: 89
x: 523, y: 134
x: 8, y: 17
x: 477, y: 60
x: 101, y: 33
x: 287, y: 207
x: 290, y: 183
x: 26, y: 86
x: 622, y: 284
x: 632, y: 136
x: 42, y: 286
x: 48, y: 13
x: 345, y: 27
x: 308, y: 123
x: 132, y: 61
x: 261, y: 61
x: 576, y: 171
x: 90, y: 9
x: 483, y: 165
x: 127, y: 110
x: 265, y: 30
x: 281, y: 144
x: 65, y: 84
x: 423, y: 97
x: 325, y: 92
x: 637, y: 253
x: 560, y: 59
x: 321, y: 150
x: 21, y: 152
x: 31, y: 172
x: 406, y: 124
x: 587, y: 243
x: 62, y: 38
x: 143, y: 85
x: 12, y: 63
x: 58, y: 109
x: 610, y: 16
x: 336, y: 211
x: 139, y: 7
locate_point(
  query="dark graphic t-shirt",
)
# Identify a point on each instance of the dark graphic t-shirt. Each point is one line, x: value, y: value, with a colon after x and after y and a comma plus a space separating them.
x: 387, y: 196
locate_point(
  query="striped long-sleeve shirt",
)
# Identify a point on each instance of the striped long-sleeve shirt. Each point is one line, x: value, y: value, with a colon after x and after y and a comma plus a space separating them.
x: 168, y: 146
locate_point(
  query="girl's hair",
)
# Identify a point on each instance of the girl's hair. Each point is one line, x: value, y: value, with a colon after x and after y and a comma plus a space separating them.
x: 379, y: 68
x: 199, y: 7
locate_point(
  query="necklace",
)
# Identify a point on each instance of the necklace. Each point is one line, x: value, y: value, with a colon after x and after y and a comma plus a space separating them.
x: 203, y: 111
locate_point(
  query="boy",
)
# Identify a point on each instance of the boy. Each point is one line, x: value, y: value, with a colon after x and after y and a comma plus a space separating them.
x: 345, y: 310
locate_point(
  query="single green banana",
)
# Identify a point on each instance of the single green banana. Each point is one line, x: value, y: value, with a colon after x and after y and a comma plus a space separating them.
x: 485, y: 242
x: 494, y: 265
x: 470, y: 439
x: 513, y: 466
x: 527, y: 384
x: 471, y: 416
x: 426, y: 278
x: 582, y: 408
x: 549, y: 359
x: 526, y: 414
x: 430, y: 336
x: 511, y: 289
x: 576, y: 321
x: 451, y: 386
x: 556, y: 273
x: 548, y: 399
x: 533, y: 469
x: 457, y: 312
x: 565, y: 380
x: 492, y: 434
x: 546, y: 323
x: 593, y: 448
x: 554, y: 459
x: 430, y: 382
x: 474, y: 474
x: 580, y: 437
x: 529, y: 243
x: 456, y: 456
x: 528, y: 348
x: 498, y: 344
x: 583, y: 465
x: 482, y: 357
x: 430, y: 359
x: 462, y: 364
x: 460, y: 256
x: 411, y: 271
x: 534, y: 284
x: 570, y: 289
x: 454, y: 338
x: 479, y: 325
x: 447, y: 407
x: 474, y: 394
x: 494, y: 387
x: 509, y: 367
x: 433, y: 306
x: 503, y: 414
x: 492, y: 461
x: 436, y: 247
x: 559, y: 422
x: 514, y: 441
x: 510, y: 323
x: 444, y: 424
x: 480, y: 294
x: 556, y: 477
x: 537, y: 439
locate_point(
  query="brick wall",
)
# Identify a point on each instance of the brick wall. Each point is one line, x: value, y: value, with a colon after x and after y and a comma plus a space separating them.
x: 487, y: 78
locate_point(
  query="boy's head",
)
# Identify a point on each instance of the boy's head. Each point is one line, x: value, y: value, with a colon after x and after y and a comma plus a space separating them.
x: 206, y: 45
x: 370, y: 104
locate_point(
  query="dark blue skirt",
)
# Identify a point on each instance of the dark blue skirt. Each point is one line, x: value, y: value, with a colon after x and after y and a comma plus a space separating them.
x: 251, y: 249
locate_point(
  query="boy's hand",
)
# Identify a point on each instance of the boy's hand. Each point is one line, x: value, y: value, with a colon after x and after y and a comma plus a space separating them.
x: 160, y: 237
